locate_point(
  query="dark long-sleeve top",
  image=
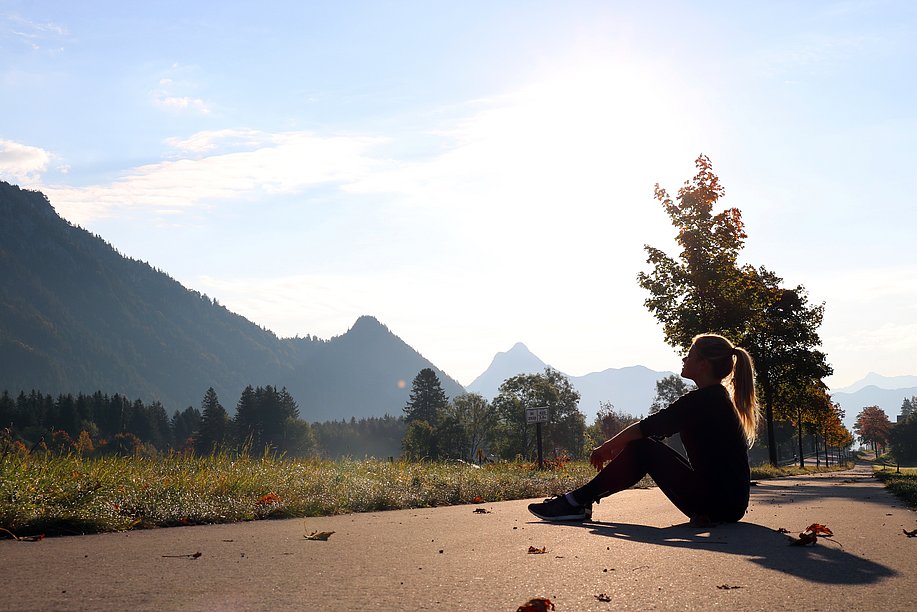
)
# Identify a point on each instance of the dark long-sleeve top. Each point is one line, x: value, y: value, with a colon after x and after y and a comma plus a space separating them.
x: 713, y: 439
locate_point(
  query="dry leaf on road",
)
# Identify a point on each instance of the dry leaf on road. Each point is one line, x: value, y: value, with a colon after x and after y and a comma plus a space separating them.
x: 810, y: 535
x: 318, y: 535
x: 537, y: 551
x: 536, y: 604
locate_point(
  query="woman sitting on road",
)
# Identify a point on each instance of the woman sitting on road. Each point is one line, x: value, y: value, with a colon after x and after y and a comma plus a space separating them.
x: 717, y: 424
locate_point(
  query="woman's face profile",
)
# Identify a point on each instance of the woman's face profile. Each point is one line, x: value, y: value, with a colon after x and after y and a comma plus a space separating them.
x: 691, y: 364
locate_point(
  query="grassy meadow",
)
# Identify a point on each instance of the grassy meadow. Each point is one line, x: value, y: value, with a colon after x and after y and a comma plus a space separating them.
x: 45, y: 493
x: 903, y: 484
x: 68, y: 494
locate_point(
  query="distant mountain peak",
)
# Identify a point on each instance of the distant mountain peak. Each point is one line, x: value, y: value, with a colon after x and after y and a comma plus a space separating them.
x: 630, y: 389
x: 517, y: 360
x: 880, y: 381
x: 367, y: 322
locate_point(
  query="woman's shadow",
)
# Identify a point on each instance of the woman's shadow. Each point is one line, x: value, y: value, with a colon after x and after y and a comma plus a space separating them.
x: 825, y: 562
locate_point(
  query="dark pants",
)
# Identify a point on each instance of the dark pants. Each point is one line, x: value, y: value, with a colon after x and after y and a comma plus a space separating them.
x: 670, y: 471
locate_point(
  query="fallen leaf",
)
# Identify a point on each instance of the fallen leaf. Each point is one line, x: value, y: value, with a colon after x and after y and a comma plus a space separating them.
x: 910, y: 534
x: 783, y: 530
x: 481, y: 511
x: 477, y: 499
x: 819, y: 529
x: 536, y: 604
x: 728, y: 587
x: 537, y: 551
x: 603, y: 597
x: 318, y: 535
x: 266, y: 500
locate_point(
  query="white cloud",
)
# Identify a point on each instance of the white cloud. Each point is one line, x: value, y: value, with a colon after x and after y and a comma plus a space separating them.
x: 277, y: 163
x: 183, y: 103
x: 211, y: 140
x: 32, y: 30
x: 172, y: 93
x: 22, y: 163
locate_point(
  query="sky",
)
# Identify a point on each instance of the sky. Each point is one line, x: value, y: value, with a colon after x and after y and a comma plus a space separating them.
x: 479, y: 173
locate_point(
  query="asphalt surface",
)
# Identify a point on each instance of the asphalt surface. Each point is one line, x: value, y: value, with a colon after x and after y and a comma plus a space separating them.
x: 638, y: 553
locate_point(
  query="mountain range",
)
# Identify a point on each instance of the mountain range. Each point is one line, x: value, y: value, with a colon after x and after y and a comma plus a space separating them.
x: 630, y: 390
x: 77, y: 316
x: 889, y: 400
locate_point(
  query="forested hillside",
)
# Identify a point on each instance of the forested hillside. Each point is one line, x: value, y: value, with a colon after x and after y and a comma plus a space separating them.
x: 77, y: 316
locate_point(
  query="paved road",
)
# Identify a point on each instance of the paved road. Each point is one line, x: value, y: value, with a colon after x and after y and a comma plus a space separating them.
x: 638, y: 553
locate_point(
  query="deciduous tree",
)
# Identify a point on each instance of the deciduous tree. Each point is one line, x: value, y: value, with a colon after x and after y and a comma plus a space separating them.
x: 668, y: 390
x: 565, y: 429
x: 873, y: 427
x: 903, y: 439
x: 477, y: 419
x: 707, y: 290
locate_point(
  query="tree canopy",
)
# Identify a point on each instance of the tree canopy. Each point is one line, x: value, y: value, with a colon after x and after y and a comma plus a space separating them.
x: 707, y: 290
x: 566, y: 426
x: 873, y: 428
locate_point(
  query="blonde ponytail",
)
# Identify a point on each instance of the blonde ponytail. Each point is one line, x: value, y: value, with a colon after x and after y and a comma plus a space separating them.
x: 729, y: 361
x: 743, y: 394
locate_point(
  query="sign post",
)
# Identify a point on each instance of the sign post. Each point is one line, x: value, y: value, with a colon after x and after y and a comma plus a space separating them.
x: 538, y: 416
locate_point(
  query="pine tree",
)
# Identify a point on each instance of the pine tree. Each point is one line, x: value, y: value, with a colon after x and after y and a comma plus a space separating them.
x: 427, y: 398
x: 214, y: 424
x: 245, y: 421
x: 908, y: 407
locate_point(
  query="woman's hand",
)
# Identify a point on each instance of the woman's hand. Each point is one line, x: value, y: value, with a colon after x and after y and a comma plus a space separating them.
x: 611, y: 448
x: 603, y: 454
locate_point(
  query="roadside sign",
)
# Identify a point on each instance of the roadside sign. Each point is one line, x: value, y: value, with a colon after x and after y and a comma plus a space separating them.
x: 536, y: 415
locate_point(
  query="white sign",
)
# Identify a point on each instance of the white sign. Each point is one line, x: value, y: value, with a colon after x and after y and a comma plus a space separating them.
x: 536, y: 415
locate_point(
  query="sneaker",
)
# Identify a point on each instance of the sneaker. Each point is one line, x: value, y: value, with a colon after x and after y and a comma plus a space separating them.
x: 558, y: 508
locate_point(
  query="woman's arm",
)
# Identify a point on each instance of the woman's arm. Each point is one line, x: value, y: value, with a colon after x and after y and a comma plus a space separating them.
x: 610, y: 449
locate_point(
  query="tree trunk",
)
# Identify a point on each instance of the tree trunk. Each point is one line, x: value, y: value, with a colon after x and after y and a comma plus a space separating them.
x: 768, y: 395
x: 771, y: 436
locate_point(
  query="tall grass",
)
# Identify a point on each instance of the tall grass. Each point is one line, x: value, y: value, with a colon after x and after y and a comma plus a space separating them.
x: 70, y: 494
x: 902, y: 484
x: 63, y: 494
x: 767, y: 470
